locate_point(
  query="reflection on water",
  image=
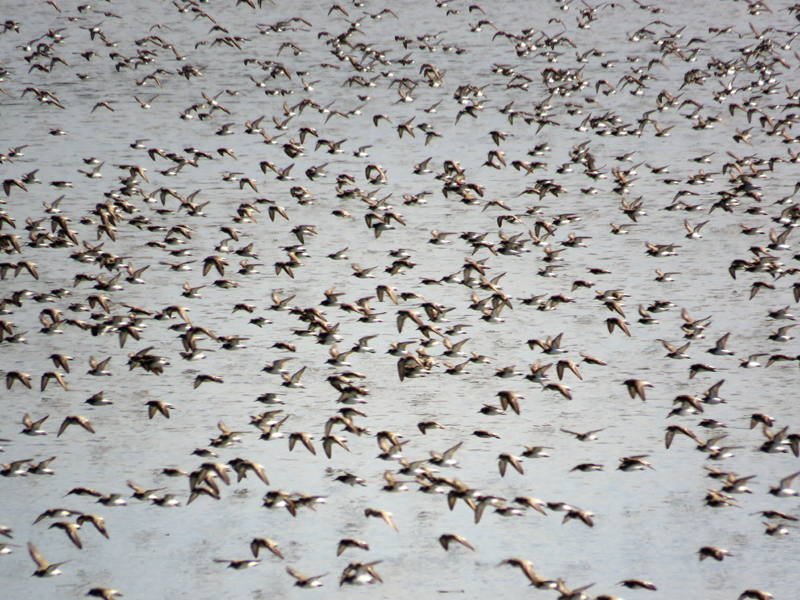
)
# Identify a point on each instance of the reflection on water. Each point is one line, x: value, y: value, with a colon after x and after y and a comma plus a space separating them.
x: 619, y: 107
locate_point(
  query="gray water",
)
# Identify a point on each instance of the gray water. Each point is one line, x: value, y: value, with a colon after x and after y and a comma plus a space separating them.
x: 647, y: 524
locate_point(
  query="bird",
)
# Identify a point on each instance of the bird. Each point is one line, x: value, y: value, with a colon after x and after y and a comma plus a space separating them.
x: 346, y: 543
x: 583, y: 515
x: 548, y: 345
x: 265, y: 543
x: 104, y: 593
x: 673, y: 430
x: 700, y: 368
x: 203, y: 378
x: 782, y: 490
x: 563, y: 365
x: 303, y: 581
x: 585, y: 437
x: 750, y: 362
x: 536, y: 451
x: 97, y: 521
x: 674, y: 352
x: 358, y: 573
x: 75, y: 420
x: 44, y: 568
x: 526, y: 567
x: 424, y: 426
x: 59, y: 377
x: 14, y: 468
x: 158, y: 406
x: 41, y: 467
x: 755, y: 595
x: 293, y: 381
x: 99, y: 368
x: 717, y: 554
x: 383, y: 514
x: 509, y: 459
x: 636, y: 387
x: 33, y: 427
x: 13, y: 376
x: 562, y: 389
x: 53, y: 513
x: 448, y: 538
x: 445, y: 458
x: 71, y: 529
x: 637, y: 584
x: 304, y: 438
x: 238, y: 564
x: 276, y: 366
x: 508, y: 399
x: 140, y: 493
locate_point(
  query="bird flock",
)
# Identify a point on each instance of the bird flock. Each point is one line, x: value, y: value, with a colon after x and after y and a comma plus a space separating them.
x: 270, y: 270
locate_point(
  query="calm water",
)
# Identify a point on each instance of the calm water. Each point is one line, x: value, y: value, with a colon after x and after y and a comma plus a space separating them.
x: 648, y: 524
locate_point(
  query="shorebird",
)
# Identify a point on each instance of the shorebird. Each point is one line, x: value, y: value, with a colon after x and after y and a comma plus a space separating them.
x: 276, y: 366
x: 634, y: 463
x: 448, y: 538
x: 717, y: 554
x: 781, y: 335
x: 636, y: 387
x: 99, y: 368
x: 711, y: 395
x: 351, y: 480
x: 358, y: 573
x: 536, y: 451
x: 755, y: 595
x: 424, y: 426
x: 140, y: 493
x: 446, y: 458
x: 238, y: 564
x: 673, y: 430
x: 562, y: 389
x: 14, y: 469
x: 203, y: 378
x: 777, y: 443
x: 776, y: 514
x: 71, y: 529
x: 392, y: 484
x: 637, y: 584
x: 750, y: 362
x: 75, y: 420
x: 57, y: 513
x: 506, y: 459
x: 584, y: 437
x: 782, y: 490
x: 13, y: 376
x: 33, y: 427
x: 548, y: 345
x: 509, y: 399
x: 575, y: 594
x: 42, y: 467
x: 61, y: 360
x: 265, y: 543
x: 346, y: 543
x: 44, y: 568
x: 383, y: 514
x: 673, y: 352
x: 104, y: 593
x: 304, y: 438
x: 563, y: 365
x: 583, y: 515
x: 526, y: 567
x: 158, y: 406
